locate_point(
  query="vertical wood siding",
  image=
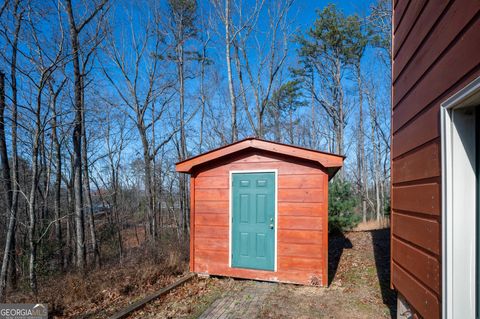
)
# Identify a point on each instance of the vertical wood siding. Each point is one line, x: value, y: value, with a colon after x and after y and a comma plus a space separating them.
x: 302, y: 243
x: 436, y: 47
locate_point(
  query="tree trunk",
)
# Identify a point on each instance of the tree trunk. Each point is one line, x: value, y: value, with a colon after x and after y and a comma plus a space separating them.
x: 376, y: 155
x: 152, y: 227
x: 312, y: 106
x: 183, y: 143
x: 15, y: 178
x: 86, y: 183
x: 361, y: 171
x: 32, y: 242
x: 229, y: 72
x: 7, y: 184
x: 77, y: 143
x: 339, y: 122
x: 277, y: 131
x: 242, y: 89
x: 57, y: 187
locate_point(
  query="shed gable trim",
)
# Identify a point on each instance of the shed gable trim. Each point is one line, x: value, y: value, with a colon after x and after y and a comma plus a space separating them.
x: 331, y: 162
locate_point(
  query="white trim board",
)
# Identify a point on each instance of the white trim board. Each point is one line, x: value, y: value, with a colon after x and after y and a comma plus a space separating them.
x: 275, y: 171
x: 459, y: 203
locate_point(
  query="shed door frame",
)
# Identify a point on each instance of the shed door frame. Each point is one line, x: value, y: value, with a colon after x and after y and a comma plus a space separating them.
x: 230, y: 211
x: 459, y: 213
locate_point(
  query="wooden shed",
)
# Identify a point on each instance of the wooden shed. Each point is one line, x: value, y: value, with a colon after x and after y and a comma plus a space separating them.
x: 259, y: 210
x: 435, y: 158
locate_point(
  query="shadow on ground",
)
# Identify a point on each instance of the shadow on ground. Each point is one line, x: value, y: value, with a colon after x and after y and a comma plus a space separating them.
x: 337, y: 242
x: 381, y: 251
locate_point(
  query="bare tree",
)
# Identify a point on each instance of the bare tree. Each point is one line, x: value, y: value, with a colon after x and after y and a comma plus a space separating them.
x: 54, y: 94
x: 228, y: 58
x: 75, y: 31
x: 232, y: 29
x: 7, y: 186
x: 270, y: 56
x: 376, y: 165
x: 182, y: 26
x: 138, y: 90
x: 10, y: 178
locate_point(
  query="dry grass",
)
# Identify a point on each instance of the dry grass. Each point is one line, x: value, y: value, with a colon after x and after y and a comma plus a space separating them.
x: 144, y: 268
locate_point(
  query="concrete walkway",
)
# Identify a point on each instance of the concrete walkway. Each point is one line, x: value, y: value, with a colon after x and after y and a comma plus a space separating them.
x: 246, y: 303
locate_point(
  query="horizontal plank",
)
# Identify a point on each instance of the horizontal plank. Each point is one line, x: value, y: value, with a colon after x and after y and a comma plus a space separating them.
x: 299, y: 263
x: 419, y: 231
x: 422, y: 163
x: 212, y: 207
x: 423, y: 266
x: 399, y: 12
x: 284, y: 208
x: 449, y: 27
x: 292, y: 276
x: 300, y: 236
x: 420, y: 30
x: 258, y: 158
x: 422, y: 198
x: 211, y: 256
x: 411, y: 15
x: 301, y: 250
x: 284, y: 222
x: 211, y: 219
x: 212, y: 194
x: 425, y: 302
x: 312, y: 195
x: 284, y: 181
x: 300, y: 222
x: 301, y: 209
x: 220, y: 232
x: 284, y: 168
x: 211, y: 244
x: 292, y: 213
x: 211, y: 182
x: 301, y: 181
x: 421, y: 130
x: 440, y: 77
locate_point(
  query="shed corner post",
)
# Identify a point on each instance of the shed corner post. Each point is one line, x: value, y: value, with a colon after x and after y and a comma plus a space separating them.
x: 325, y: 233
x: 192, y: 222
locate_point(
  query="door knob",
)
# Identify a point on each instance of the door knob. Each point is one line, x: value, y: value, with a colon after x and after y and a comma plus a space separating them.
x: 271, y: 226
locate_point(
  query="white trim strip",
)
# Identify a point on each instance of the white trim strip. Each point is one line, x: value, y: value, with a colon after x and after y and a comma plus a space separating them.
x: 458, y: 204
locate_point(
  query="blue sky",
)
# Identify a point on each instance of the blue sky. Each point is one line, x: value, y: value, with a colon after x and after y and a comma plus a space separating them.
x: 302, y: 16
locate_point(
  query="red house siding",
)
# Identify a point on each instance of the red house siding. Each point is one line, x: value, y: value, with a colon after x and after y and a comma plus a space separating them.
x: 302, y: 234
x: 435, y: 54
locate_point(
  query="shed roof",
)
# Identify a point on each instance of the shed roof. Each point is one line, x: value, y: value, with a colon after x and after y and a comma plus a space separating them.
x: 331, y: 162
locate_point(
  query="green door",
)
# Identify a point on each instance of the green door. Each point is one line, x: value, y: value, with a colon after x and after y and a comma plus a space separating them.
x: 253, y: 220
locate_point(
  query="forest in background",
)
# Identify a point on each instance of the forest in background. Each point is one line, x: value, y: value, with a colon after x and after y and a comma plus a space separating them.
x: 99, y: 99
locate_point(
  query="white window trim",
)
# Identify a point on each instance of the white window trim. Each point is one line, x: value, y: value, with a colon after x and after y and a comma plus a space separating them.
x: 275, y: 171
x: 459, y: 204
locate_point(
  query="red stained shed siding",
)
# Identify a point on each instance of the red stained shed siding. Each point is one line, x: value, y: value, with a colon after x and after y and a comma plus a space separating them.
x: 302, y: 242
x: 436, y: 47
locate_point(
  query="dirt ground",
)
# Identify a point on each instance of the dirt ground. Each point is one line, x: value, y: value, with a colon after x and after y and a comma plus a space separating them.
x: 359, y: 275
